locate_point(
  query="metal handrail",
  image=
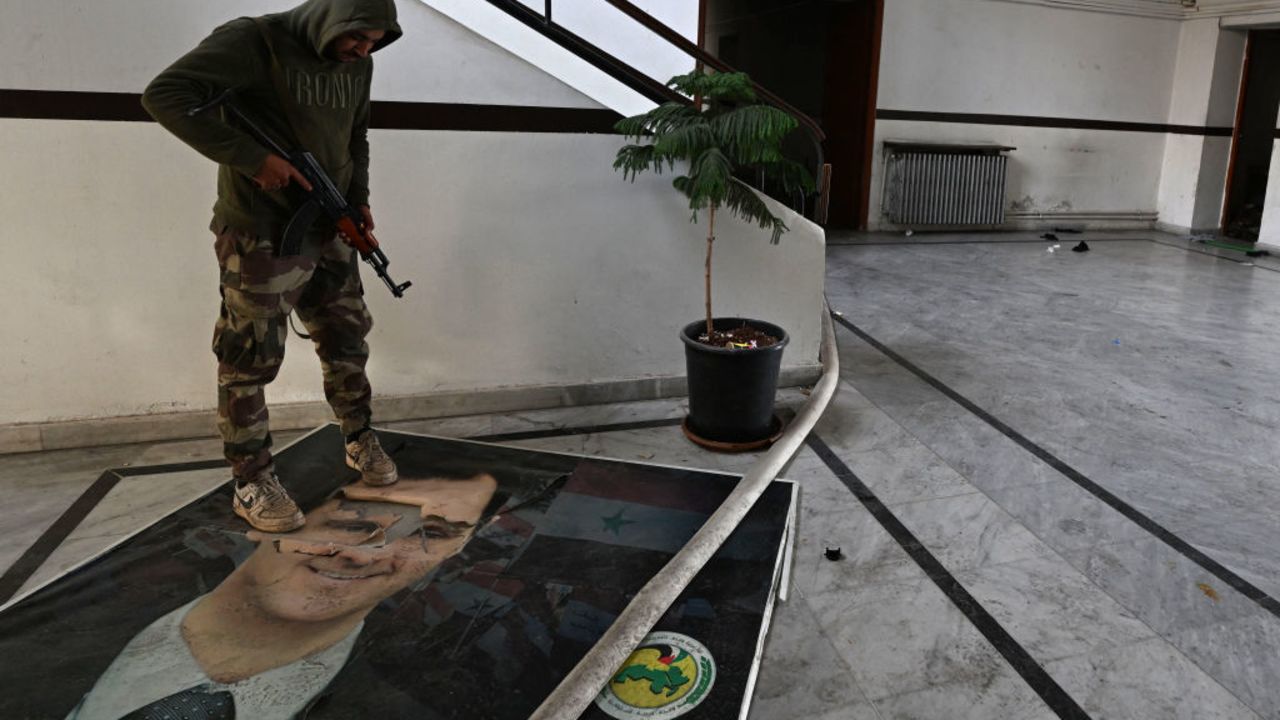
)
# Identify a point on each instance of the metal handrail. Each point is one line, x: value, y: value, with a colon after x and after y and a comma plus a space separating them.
x: 640, y: 81
x: 577, y: 690
x: 615, y: 68
x: 681, y: 42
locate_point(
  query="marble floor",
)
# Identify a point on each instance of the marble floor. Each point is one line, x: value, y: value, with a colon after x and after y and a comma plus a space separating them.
x: 1049, y: 475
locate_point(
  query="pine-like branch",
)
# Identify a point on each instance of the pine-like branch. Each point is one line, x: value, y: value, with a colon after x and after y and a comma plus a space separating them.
x: 722, y: 87
x: 632, y: 159
x: 662, y: 119
x: 710, y: 175
x: 689, y: 141
x: 790, y: 174
x: 753, y: 133
x: 746, y: 204
x: 725, y: 132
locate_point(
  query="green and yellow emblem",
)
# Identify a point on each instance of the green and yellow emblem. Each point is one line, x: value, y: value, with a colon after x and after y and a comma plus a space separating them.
x: 666, y: 677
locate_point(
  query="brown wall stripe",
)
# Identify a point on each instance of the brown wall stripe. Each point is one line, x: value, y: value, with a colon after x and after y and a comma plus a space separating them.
x: 64, y: 105
x: 1050, y: 122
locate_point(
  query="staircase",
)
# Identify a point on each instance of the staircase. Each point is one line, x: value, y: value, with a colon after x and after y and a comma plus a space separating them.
x: 540, y: 16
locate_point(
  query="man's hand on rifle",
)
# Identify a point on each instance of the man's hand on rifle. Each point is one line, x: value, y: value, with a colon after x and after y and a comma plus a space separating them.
x: 276, y: 173
x: 367, y: 214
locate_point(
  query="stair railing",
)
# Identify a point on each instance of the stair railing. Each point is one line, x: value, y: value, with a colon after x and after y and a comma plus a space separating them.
x: 658, y: 92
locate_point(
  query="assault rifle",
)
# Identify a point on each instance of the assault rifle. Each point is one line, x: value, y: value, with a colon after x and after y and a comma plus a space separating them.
x: 322, y: 198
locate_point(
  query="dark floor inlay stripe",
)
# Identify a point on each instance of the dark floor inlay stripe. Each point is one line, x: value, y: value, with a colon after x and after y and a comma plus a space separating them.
x: 172, y: 468
x: 927, y: 242
x: 53, y: 537
x: 44, y: 546
x: 1040, y: 681
x: 1244, y: 587
x: 35, y: 556
x: 579, y: 430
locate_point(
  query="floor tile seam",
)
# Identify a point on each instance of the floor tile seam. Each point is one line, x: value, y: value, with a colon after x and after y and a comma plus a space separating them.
x: 992, y: 632
x: 844, y: 455
x: 1212, y: 676
x: 1062, y: 552
x: 1152, y: 633
x: 1254, y: 612
x: 1246, y: 262
x: 954, y: 683
x: 27, y: 564
x: 1177, y: 651
x: 963, y: 477
x: 845, y: 666
x: 959, y: 472
x: 1011, y: 241
x: 1058, y: 552
x: 1108, y: 498
x: 905, y: 429
x: 578, y: 431
x: 523, y: 417
x: 1046, y: 660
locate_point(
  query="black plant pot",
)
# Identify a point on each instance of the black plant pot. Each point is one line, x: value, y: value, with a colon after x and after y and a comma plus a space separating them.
x: 731, y: 391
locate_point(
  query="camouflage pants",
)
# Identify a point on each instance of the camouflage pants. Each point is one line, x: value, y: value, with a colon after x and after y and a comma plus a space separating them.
x: 259, y: 291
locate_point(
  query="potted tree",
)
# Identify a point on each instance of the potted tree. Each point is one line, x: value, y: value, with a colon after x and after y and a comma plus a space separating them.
x: 732, y: 363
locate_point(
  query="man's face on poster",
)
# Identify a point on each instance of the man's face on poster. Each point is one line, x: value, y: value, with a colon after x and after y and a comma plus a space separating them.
x: 353, y: 553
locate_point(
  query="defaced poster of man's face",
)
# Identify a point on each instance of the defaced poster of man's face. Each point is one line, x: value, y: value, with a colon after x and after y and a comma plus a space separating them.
x: 270, y: 637
x: 199, y: 611
x: 467, y: 590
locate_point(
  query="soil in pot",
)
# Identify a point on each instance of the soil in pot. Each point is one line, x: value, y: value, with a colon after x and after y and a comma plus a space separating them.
x: 744, y: 336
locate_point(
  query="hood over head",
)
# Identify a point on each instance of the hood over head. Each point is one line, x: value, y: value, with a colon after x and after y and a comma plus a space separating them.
x: 319, y: 22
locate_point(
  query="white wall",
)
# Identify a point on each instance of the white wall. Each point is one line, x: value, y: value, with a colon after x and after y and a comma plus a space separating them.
x: 1243, y: 15
x: 980, y: 56
x: 1269, y: 234
x: 115, y: 47
x: 1206, y: 84
x: 597, y: 23
x: 532, y: 261
x: 611, y: 30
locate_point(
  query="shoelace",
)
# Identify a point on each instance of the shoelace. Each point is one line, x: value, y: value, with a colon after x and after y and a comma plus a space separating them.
x: 370, y: 452
x: 271, y: 491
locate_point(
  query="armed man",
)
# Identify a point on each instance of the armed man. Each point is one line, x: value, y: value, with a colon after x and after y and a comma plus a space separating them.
x: 304, y: 76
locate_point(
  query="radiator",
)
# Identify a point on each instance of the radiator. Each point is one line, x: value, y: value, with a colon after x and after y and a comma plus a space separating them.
x: 952, y: 185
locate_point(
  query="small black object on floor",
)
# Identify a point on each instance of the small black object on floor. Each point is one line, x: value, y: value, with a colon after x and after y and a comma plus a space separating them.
x: 1082, y: 247
x: 833, y: 554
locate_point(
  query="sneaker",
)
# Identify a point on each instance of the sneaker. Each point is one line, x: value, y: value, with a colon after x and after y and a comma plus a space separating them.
x: 375, y: 465
x: 265, y: 505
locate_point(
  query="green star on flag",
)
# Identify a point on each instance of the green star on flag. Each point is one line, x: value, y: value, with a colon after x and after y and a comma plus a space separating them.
x: 614, y: 522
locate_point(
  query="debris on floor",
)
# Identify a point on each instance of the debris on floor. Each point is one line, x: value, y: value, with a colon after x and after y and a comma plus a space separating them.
x: 1208, y: 590
x: 833, y: 554
x: 1050, y: 237
x: 1082, y: 247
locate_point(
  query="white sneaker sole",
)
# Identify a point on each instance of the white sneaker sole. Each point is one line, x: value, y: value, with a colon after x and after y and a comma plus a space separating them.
x: 283, y: 525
